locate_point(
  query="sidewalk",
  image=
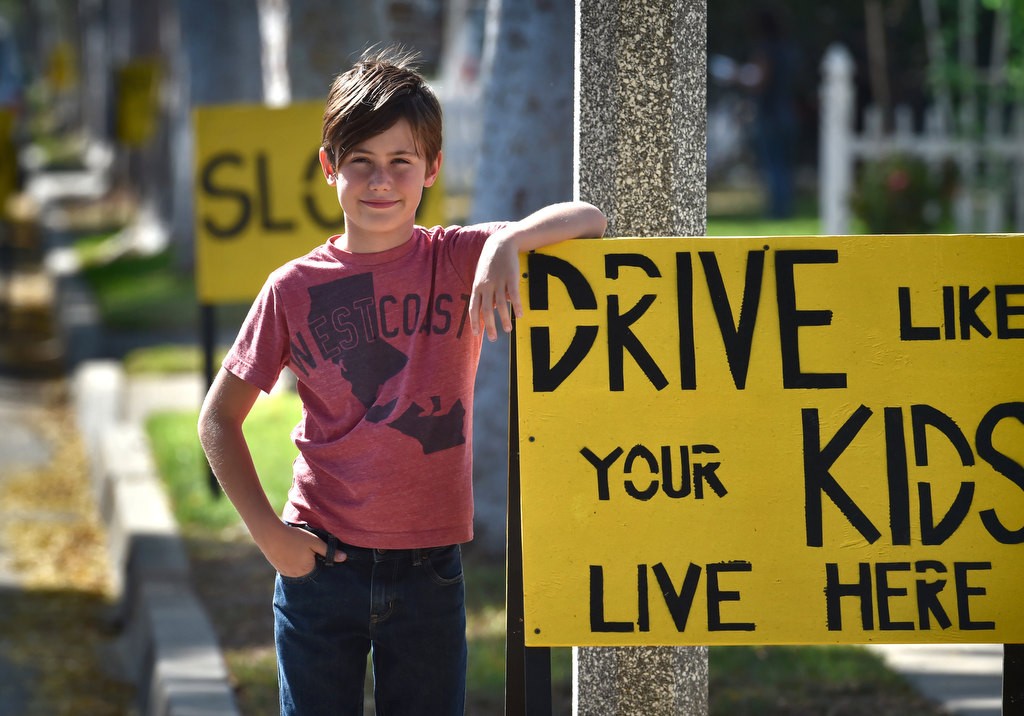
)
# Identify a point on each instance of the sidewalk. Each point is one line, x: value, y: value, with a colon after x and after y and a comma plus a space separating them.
x: 97, y: 612
x: 965, y: 678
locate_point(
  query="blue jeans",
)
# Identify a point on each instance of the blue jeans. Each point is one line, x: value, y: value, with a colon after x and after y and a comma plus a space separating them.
x: 407, y: 607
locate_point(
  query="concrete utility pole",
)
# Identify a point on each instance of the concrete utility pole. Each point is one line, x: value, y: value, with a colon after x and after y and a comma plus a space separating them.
x: 641, y: 157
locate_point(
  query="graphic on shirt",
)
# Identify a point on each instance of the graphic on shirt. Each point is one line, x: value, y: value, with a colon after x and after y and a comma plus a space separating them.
x: 344, y: 323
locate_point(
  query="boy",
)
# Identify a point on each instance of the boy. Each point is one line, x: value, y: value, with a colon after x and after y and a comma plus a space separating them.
x: 373, y: 323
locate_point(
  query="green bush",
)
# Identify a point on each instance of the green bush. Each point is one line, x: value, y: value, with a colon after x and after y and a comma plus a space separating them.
x: 903, y: 195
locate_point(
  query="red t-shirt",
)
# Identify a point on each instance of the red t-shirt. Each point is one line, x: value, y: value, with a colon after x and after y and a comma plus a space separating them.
x: 385, y: 360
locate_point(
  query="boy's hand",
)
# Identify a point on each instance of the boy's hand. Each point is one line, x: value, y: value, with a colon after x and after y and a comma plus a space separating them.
x: 495, y: 285
x: 292, y: 550
x: 497, y: 272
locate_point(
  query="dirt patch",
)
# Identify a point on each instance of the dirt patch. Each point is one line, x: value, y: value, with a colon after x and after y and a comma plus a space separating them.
x: 57, y: 599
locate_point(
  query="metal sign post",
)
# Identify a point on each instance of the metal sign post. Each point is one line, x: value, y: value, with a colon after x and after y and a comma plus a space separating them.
x: 527, y: 670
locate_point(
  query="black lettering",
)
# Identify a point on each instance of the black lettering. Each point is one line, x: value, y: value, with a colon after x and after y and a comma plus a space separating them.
x: 684, y: 318
x: 621, y: 339
x: 948, y: 313
x: 384, y: 329
x: 613, y: 262
x: 736, y: 336
x: 541, y: 266
x: 705, y: 472
x: 716, y: 596
x: 441, y: 311
x: 921, y: 416
x: 348, y: 333
x: 969, y: 312
x: 883, y: 591
x: 602, y: 466
x: 1004, y: 311
x: 464, y: 317
x: 791, y: 319
x: 312, y: 176
x: 619, y: 333
x: 1003, y: 464
x: 302, y: 355
x: 818, y: 480
x: 678, y: 603
x: 932, y: 533
x: 639, y: 451
x: 928, y: 595
x: 263, y: 179
x: 964, y: 592
x: 213, y: 189
x: 643, y: 605
x: 548, y: 376
x: 896, y: 472
x: 411, y: 306
x: 836, y: 590
x: 322, y: 337
x: 597, y: 620
x: 908, y: 331
x: 666, y: 472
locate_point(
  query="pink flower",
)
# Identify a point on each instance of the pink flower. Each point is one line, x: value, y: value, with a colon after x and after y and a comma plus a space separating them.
x: 898, y: 180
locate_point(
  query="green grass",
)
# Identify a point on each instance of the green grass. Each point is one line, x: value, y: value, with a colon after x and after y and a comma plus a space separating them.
x: 756, y: 226
x: 168, y: 359
x: 145, y: 293
x: 180, y: 460
x: 784, y: 680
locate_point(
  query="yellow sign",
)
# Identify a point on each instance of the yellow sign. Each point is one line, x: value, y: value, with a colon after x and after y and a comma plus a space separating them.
x: 8, y: 160
x: 138, y: 96
x: 261, y: 199
x: 773, y: 440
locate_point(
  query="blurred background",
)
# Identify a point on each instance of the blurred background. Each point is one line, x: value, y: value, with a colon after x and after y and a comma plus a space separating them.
x: 861, y: 116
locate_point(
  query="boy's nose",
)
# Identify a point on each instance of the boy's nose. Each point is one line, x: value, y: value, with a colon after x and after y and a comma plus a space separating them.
x: 380, y: 178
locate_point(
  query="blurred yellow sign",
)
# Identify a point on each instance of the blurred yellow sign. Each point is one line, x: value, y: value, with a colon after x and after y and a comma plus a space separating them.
x: 8, y: 160
x: 261, y: 199
x: 773, y: 440
x: 62, y: 67
x: 138, y: 93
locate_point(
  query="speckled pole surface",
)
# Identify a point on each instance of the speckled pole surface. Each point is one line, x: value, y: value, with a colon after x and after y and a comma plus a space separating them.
x: 642, y: 114
x: 641, y: 157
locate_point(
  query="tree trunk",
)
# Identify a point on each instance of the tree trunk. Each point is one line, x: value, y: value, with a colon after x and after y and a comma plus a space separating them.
x: 218, y: 62
x: 525, y: 163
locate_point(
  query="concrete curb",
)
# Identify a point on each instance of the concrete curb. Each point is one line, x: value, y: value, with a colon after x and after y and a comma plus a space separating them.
x: 168, y: 644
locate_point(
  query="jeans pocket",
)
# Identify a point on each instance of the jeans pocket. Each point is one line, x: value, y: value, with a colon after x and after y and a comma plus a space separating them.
x: 444, y: 566
x: 318, y: 564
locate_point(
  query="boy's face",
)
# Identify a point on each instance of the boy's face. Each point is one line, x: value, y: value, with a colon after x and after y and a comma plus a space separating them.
x: 380, y: 184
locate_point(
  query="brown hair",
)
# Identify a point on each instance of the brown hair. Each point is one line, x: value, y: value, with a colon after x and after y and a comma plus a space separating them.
x: 380, y: 89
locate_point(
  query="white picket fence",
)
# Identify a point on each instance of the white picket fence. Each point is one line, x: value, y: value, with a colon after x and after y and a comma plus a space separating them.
x: 990, y: 164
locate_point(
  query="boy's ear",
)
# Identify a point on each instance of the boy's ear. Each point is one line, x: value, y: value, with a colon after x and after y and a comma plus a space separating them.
x: 432, y: 171
x: 328, y: 168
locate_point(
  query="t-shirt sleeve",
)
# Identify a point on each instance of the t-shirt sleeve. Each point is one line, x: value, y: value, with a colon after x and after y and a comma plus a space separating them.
x: 260, y: 350
x: 464, y: 245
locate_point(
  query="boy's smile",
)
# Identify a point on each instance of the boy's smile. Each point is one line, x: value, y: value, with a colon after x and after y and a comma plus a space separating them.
x: 380, y: 183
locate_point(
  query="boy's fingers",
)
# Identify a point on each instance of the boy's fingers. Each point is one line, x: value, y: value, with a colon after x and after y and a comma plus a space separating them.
x: 474, y: 313
x: 517, y: 304
x: 488, y: 321
x: 506, y: 320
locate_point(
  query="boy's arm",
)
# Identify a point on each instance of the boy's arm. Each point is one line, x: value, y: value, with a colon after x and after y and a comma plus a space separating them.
x: 227, y: 404
x: 497, y: 271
